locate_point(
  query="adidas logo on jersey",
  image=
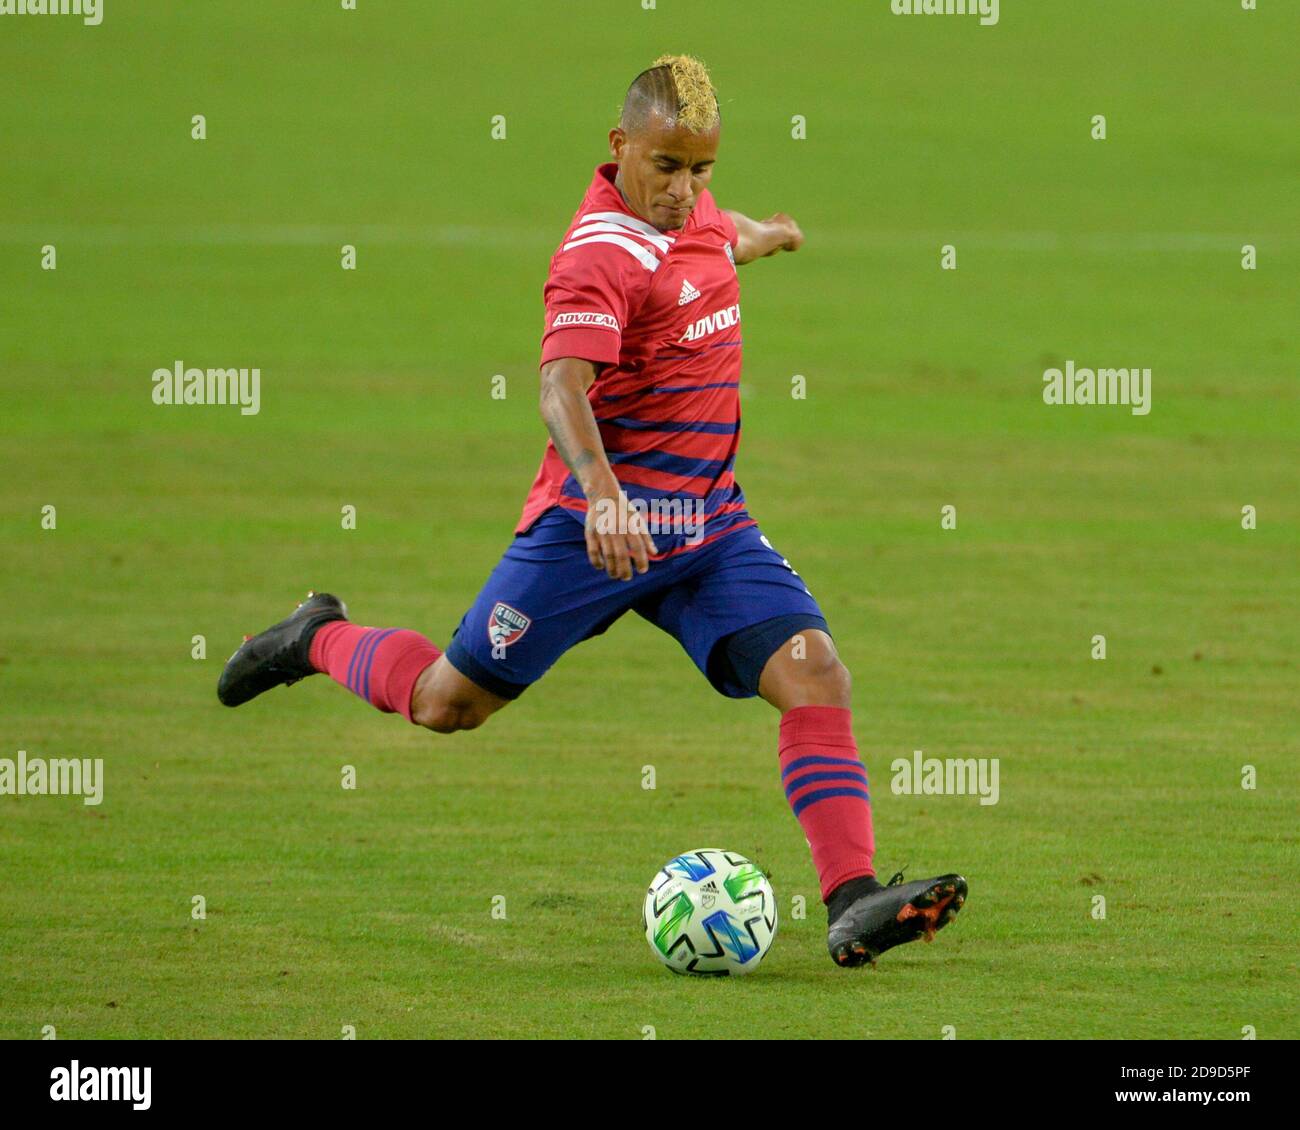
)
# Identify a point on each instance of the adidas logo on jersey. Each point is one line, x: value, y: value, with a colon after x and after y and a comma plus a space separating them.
x: 688, y: 294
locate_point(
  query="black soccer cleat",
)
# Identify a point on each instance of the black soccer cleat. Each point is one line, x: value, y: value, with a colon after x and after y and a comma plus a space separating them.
x: 891, y: 915
x: 279, y: 655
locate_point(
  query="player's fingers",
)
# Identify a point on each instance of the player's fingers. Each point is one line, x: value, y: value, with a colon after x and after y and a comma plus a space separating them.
x: 636, y: 543
x: 793, y: 234
x: 594, y: 555
x: 638, y: 529
x: 617, y: 562
x: 623, y: 560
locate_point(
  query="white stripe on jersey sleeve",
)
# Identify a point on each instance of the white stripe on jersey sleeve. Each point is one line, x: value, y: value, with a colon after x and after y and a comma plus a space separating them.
x: 664, y: 245
x: 632, y: 223
x: 646, y: 258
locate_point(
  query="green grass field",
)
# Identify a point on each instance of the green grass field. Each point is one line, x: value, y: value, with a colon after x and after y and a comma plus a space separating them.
x: 371, y: 907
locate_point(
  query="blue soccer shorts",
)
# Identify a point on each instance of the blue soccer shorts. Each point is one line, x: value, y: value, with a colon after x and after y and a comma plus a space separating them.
x: 730, y: 603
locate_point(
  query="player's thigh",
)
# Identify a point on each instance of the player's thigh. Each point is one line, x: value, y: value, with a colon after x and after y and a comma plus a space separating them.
x: 741, y: 602
x: 543, y: 597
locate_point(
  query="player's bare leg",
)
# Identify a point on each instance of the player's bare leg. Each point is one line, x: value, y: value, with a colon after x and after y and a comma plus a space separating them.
x: 445, y: 701
x: 826, y: 784
x: 806, y: 671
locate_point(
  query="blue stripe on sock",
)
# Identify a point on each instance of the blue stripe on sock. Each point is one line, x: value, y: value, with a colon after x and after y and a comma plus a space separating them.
x: 860, y: 777
x: 370, y: 658
x: 352, y: 663
x: 802, y: 761
x: 359, y: 658
x: 826, y: 794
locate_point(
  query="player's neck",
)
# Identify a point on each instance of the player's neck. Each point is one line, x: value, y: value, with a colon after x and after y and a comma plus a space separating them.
x: 618, y: 184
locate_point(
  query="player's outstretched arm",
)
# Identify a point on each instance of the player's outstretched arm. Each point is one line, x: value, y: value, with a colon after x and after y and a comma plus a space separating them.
x: 764, y: 237
x: 618, y: 537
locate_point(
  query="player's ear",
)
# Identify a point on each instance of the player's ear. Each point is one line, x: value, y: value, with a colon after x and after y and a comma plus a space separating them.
x: 617, y: 140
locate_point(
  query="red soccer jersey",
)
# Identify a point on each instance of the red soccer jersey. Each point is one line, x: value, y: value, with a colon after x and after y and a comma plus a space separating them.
x: 661, y: 310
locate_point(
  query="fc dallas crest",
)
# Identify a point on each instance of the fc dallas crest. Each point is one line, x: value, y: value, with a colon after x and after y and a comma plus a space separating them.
x: 506, y: 625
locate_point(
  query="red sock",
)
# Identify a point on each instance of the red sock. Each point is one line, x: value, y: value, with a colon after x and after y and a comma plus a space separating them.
x: 826, y: 785
x: 379, y: 664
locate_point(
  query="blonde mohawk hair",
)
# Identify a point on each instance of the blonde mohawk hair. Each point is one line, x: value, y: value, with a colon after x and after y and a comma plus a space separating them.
x: 677, y: 86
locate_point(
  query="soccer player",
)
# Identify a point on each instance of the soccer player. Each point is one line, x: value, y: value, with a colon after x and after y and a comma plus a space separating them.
x: 636, y: 508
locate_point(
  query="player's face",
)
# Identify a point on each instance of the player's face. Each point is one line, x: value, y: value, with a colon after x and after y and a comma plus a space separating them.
x: 662, y: 170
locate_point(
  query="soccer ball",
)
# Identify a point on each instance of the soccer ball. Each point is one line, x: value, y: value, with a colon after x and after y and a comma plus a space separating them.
x: 710, y: 912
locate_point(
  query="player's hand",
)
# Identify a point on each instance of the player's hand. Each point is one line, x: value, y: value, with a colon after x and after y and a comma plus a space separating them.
x: 618, y: 535
x: 787, y: 231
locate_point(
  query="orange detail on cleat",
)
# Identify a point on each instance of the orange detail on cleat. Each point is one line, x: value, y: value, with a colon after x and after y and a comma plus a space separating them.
x: 929, y: 914
x: 247, y: 638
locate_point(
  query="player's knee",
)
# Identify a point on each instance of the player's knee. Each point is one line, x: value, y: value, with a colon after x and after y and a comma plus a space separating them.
x: 438, y: 717
x: 833, y: 680
x: 444, y: 701
x: 820, y: 677
x: 444, y: 717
